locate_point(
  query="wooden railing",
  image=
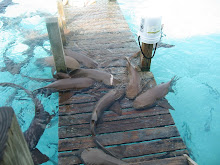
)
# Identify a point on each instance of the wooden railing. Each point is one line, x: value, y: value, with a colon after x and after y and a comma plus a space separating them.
x: 13, y: 146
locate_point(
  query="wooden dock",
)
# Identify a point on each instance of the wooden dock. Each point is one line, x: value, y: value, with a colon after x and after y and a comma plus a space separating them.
x: 138, y: 137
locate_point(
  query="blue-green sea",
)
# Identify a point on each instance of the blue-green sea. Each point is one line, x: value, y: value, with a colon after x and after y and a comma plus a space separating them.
x: 22, y: 42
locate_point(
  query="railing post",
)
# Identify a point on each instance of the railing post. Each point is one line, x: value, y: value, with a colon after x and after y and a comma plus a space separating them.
x: 147, y: 50
x: 13, y: 146
x: 56, y: 43
x: 62, y: 20
x: 61, y: 13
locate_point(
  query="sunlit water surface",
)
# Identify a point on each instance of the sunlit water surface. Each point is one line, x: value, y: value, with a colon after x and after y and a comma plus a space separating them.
x: 20, y: 24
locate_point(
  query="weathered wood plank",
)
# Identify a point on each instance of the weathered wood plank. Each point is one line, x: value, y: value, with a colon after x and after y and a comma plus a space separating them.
x: 76, y: 108
x: 71, y: 158
x: 162, y: 155
x: 179, y: 160
x: 147, y: 148
x: 84, y: 118
x: 80, y: 98
x: 56, y: 43
x: 119, y: 138
x: 111, y: 52
x: 189, y: 160
x: 109, y: 127
x: 13, y: 146
x: 100, y: 46
x: 99, y: 36
x: 164, y: 146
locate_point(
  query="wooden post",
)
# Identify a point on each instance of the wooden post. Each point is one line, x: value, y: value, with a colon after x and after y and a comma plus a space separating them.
x: 13, y: 146
x: 61, y: 13
x: 147, y: 50
x: 61, y: 20
x: 65, y: 2
x: 56, y: 43
x: 62, y: 31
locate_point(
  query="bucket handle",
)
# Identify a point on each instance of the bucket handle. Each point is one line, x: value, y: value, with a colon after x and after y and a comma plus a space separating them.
x: 143, y: 52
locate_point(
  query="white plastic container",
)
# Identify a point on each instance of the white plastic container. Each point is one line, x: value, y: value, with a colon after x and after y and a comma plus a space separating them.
x: 150, y: 30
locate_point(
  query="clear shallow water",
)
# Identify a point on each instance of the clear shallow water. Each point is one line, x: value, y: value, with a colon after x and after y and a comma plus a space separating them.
x: 20, y: 25
x: 195, y: 60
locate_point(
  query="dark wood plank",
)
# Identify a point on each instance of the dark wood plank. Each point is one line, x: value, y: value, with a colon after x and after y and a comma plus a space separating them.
x: 162, y: 155
x: 71, y: 158
x: 113, y: 126
x: 76, y: 108
x: 79, y: 99
x: 156, y: 149
x: 119, y: 138
x: 84, y: 118
x: 179, y: 160
x: 146, y: 148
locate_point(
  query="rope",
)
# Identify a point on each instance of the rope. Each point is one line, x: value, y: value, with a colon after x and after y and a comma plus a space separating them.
x: 143, y: 52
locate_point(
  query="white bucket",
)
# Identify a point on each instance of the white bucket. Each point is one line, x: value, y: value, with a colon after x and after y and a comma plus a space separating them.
x: 150, y: 30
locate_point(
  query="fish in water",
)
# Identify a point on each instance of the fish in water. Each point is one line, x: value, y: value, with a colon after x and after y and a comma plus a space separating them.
x: 106, y: 78
x: 94, y: 156
x: 38, y: 157
x: 85, y: 60
x: 37, y: 127
x: 69, y: 84
x: 152, y: 95
x: 134, y: 85
x: 60, y: 75
x: 70, y: 62
x: 103, y: 104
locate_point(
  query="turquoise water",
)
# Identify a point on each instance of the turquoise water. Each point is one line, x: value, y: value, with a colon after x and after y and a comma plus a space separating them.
x: 195, y: 60
x: 20, y: 24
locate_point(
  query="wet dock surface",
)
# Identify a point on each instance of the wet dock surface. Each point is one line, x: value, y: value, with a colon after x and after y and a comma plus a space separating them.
x: 148, y: 136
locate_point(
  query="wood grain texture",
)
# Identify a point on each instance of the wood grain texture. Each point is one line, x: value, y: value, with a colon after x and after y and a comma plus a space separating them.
x: 6, y: 115
x: 56, y: 43
x: 16, y: 150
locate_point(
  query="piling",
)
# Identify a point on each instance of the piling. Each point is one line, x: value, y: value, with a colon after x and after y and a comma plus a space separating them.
x: 61, y: 21
x: 13, y: 147
x: 56, y: 43
x: 61, y: 13
x: 146, y: 62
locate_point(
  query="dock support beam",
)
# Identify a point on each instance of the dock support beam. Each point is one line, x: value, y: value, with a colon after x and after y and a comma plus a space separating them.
x: 56, y: 43
x: 147, y: 50
x: 13, y: 146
